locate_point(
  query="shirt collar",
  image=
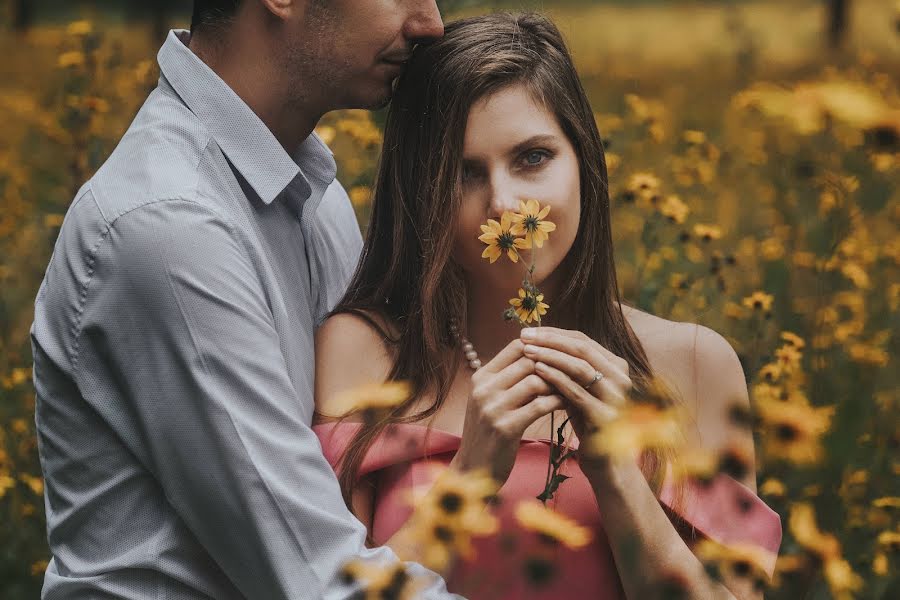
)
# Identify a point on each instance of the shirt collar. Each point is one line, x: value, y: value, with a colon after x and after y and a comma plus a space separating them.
x: 243, y: 137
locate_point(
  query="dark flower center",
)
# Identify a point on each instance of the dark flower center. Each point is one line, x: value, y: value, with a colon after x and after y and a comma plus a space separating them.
x: 443, y: 534
x: 531, y: 223
x: 529, y: 302
x: 451, y: 502
x: 506, y: 240
x: 786, y: 432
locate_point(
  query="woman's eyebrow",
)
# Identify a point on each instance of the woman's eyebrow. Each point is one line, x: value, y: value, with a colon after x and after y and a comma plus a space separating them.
x: 534, y: 140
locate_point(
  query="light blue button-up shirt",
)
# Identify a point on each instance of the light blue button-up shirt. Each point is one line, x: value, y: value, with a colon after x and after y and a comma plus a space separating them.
x: 173, y: 360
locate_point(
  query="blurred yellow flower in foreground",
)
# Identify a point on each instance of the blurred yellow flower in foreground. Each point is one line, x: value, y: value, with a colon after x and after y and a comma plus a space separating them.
x: 638, y: 427
x: 450, y: 514
x: 739, y: 560
x: 551, y: 526
x: 380, y: 581
x: 371, y: 398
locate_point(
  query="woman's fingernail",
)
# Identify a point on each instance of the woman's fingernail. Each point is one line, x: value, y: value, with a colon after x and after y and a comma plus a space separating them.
x: 528, y: 333
x: 529, y: 349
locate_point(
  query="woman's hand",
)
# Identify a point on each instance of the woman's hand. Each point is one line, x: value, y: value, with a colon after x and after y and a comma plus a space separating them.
x: 507, y: 396
x: 569, y: 361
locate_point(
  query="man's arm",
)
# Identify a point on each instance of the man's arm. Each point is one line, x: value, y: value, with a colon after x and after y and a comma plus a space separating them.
x: 176, y: 321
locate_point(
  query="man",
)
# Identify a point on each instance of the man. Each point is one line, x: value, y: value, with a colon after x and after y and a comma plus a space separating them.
x: 173, y: 331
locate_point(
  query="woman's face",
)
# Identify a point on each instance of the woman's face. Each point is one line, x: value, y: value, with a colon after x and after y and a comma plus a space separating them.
x: 515, y: 150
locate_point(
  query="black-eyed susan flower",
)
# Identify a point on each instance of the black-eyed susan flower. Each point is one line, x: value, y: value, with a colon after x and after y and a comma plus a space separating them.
x: 707, y: 233
x: 738, y: 559
x: 551, y: 526
x: 673, y: 208
x: 793, y: 430
x: 793, y: 339
x: 758, y: 301
x: 638, y: 427
x: 460, y: 498
x: 531, y: 222
x: 450, y: 514
x: 376, y: 581
x: 529, y: 306
x: 499, y: 239
x: 371, y: 399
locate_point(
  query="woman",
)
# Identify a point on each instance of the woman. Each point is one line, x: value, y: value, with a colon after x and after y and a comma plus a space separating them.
x: 492, y: 115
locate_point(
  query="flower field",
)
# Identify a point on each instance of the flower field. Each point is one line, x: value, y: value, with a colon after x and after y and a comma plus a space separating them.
x: 754, y: 183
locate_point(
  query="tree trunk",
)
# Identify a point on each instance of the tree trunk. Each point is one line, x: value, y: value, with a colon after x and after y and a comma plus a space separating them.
x: 838, y: 17
x: 22, y: 14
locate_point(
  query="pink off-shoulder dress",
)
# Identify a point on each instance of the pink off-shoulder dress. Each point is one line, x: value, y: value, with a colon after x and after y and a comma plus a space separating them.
x: 403, y: 458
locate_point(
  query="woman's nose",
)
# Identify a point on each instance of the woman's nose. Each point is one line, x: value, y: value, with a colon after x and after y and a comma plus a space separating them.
x: 503, y: 199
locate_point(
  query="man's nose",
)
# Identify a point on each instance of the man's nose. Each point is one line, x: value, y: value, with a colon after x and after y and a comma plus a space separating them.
x: 424, y: 25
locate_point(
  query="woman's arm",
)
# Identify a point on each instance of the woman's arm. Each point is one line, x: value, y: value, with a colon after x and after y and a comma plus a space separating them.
x: 642, y: 537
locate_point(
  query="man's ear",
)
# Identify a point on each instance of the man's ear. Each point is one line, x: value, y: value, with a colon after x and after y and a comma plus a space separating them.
x: 284, y: 9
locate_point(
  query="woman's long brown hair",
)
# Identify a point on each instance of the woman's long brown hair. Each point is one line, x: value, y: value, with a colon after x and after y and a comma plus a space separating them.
x: 406, y: 276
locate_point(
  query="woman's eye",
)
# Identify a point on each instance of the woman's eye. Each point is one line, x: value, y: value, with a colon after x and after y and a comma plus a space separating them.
x: 534, y: 158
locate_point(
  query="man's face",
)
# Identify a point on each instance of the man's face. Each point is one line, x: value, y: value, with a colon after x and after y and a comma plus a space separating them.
x: 357, y: 48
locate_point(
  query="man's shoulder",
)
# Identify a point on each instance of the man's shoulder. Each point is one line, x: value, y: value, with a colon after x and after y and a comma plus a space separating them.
x: 162, y: 156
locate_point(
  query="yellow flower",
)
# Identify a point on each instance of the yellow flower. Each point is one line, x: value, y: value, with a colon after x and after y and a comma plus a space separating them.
x: 707, y: 232
x: 552, y: 526
x: 529, y: 307
x: 741, y: 560
x: 500, y: 239
x: 638, y: 427
x: 460, y: 498
x: 673, y: 208
x: 79, y: 28
x: 641, y: 186
x: 758, y: 301
x: 360, y: 196
x: 793, y: 339
x: 793, y: 430
x: 789, y: 358
x: 530, y: 222
x: 773, y: 487
x: 692, y: 136
x: 890, y: 540
x: 886, y: 501
x: 450, y: 514
x: 70, y: 59
x: 380, y: 581
x: 35, y: 483
x: 372, y: 398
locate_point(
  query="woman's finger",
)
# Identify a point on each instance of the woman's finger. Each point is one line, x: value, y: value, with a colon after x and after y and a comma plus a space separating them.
x: 525, y: 390
x: 585, y: 349
x: 538, y: 407
x: 580, y: 371
x: 576, y: 368
x: 512, y: 374
x: 597, y: 411
x: 579, y: 335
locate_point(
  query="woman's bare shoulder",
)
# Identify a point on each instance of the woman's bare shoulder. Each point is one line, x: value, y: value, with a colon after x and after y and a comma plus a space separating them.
x: 352, y: 349
x: 706, y: 371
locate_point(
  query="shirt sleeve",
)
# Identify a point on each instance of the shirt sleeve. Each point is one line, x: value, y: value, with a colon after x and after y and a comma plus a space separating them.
x: 177, y: 338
